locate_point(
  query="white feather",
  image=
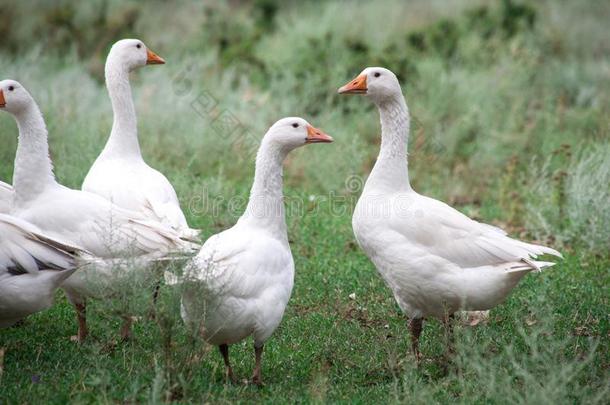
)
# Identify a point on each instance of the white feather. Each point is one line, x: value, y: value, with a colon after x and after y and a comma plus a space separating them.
x: 32, y: 267
x: 6, y: 197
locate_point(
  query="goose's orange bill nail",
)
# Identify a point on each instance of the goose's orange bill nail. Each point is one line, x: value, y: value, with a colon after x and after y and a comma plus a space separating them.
x: 315, y: 135
x: 153, y: 58
x: 356, y: 86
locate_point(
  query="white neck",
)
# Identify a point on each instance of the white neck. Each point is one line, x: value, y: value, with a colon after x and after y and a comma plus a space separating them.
x: 124, y: 135
x: 33, y: 168
x: 391, y: 171
x: 266, y: 204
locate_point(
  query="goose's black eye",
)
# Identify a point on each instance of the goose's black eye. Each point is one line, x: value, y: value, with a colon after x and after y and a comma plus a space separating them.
x: 11, y: 88
x: 377, y: 74
x: 295, y: 125
x: 139, y: 46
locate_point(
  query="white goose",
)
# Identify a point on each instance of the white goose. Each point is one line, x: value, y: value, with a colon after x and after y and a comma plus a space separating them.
x: 240, y: 282
x: 435, y: 259
x: 32, y: 267
x: 120, y: 174
x: 84, y: 219
x: 6, y: 196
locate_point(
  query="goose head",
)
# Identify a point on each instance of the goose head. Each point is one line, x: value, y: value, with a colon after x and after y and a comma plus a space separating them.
x: 377, y: 83
x: 131, y: 54
x: 14, y: 98
x: 293, y: 132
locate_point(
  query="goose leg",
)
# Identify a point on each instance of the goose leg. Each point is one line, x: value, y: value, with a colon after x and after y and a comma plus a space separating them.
x: 256, y: 375
x: 81, y: 314
x: 125, y: 331
x: 224, y: 350
x: 153, y: 311
x: 449, y: 322
x: 416, y: 326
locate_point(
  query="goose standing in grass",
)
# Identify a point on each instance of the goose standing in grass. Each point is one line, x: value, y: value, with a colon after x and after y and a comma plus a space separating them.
x: 32, y: 267
x: 240, y: 282
x: 83, y: 219
x: 120, y: 174
x: 435, y: 260
x: 6, y: 195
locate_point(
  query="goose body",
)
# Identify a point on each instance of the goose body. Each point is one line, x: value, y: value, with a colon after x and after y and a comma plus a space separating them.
x: 240, y: 282
x: 435, y: 260
x: 133, y: 185
x: 32, y: 267
x: 120, y: 174
x: 84, y: 219
x: 438, y: 261
x: 246, y: 276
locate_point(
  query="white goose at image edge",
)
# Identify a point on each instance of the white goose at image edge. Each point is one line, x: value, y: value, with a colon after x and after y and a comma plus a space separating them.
x: 32, y: 267
x: 435, y: 259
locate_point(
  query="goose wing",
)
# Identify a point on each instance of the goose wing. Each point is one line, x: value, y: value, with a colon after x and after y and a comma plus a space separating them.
x: 238, y: 263
x: 102, y: 228
x: 25, y: 249
x: 6, y: 196
x: 447, y: 233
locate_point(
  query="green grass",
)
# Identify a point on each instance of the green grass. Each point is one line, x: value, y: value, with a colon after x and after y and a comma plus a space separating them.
x: 510, y: 125
x: 547, y: 343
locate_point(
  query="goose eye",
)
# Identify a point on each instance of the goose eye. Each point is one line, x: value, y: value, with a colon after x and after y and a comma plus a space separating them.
x: 377, y: 74
x: 11, y: 88
x: 295, y: 125
x: 139, y: 46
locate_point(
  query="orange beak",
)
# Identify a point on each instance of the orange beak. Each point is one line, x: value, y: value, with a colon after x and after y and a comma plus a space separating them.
x: 153, y: 58
x: 314, y: 135
x: 356, y: 86
x: 2, y: 100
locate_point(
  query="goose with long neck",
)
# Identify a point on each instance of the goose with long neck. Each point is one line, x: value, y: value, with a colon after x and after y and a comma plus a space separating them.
x: 240, y: 282
x: 435, y: 260
x: 82, y: 219
x: 120, y: 173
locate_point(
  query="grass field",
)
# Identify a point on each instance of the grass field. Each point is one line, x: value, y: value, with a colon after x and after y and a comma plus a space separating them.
x: 511, y: 125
